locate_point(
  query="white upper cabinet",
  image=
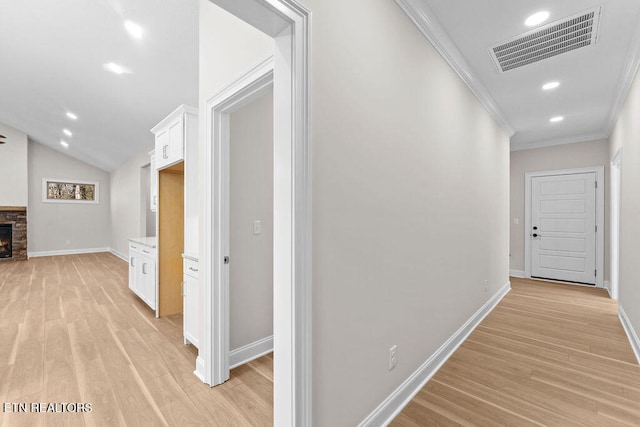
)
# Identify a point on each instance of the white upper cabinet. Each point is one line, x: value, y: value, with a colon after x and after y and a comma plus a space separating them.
x: 172, y: 135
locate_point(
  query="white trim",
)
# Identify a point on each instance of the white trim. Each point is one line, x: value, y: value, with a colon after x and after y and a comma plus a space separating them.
x: 558, y: 141
x: 427, y: 23
x: 627, y: 79
x: 516, y: 273
x: 292, y: 209
x: 599, y: 171
x: 201, y: 369
x: 119, y: 254
x: 96, y: 185
x: 182, y: 109
x: 397, y: 400
x: 614, y: 222
x: 67, y: 252
x: 251, y: 351
x: 607, y: 285
x: 243, y: 90
x: 631, y: 333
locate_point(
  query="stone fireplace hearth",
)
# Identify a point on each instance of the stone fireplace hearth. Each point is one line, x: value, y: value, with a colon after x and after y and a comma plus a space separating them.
x: 13, y: 218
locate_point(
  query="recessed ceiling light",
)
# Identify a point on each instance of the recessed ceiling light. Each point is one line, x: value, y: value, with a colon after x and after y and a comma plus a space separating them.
x: 71, y: 115
x: 550, y: 85
x: 67, y: 132
x: 64, y: 144
x: 115, y: 68
x: 134, y: 29
x: 537, y: 18
x: 556, y: 119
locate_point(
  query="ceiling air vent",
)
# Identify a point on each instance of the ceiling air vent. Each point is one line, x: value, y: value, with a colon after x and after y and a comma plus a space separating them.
x: 550, y: 40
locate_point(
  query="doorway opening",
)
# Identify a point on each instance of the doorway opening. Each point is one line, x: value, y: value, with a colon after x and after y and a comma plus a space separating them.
x: 250, y: 222
x: 287, y: 23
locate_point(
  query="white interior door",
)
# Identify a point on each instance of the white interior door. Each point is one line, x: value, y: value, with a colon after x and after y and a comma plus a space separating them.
x: 563, y: 227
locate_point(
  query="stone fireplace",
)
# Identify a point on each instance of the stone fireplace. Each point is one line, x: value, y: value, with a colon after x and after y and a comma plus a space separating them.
x: 13, y: 233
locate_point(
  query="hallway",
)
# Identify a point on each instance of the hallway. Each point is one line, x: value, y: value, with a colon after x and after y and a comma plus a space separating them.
x: 549, y: 354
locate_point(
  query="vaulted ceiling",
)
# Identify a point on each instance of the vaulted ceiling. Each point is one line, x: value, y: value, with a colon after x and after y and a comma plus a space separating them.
x: 594, y: 80
x: 52, y: 61
x: 53, y: 56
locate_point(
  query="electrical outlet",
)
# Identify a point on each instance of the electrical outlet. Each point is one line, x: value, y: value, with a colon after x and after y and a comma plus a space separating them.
x: 485, y: 286
x: 68, y: 242
x: 516, y: 221
x: 393, y: 357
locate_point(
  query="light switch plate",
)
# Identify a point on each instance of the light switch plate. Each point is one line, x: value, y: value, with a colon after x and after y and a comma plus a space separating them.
x: 257, y: 227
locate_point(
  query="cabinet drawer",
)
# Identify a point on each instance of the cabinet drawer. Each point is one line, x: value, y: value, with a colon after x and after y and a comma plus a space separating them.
x: 191, y: 268
x: 148, y: 252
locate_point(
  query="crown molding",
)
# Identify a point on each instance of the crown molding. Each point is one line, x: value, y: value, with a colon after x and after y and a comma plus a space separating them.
x: 559, y: 141
x: 429, y: 26
x: 626, y: 80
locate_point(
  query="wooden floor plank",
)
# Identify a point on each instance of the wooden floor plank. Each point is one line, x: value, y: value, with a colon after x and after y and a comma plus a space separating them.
x: 549, y: 354
x: 72, y: 331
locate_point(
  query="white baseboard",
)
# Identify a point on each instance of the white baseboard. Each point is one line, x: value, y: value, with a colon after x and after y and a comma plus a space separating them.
x: 247, y: 353
x: 200, y: 370
x: 607, y: 286
x: 67, y: 252
x: 119, y: 255
x: 631, y: 333
x: 517, y: 273
x: 392, y: 406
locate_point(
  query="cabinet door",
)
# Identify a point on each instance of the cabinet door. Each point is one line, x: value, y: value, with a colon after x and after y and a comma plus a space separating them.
x: 153, y: 184
x: 148, y: 282
x: 162, y: 149
x: 176, y: 141
x: 134, y: 268
x: 190, y: 315
x: 170, y: 144
x: 133, y: 261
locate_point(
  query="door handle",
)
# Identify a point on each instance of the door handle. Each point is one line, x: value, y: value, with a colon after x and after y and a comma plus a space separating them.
x: 536, y: 235
x: 226, y: 260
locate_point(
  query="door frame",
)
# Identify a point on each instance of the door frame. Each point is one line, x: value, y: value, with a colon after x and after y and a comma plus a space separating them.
x: 616, y: 187
x: 248, y: 87
x: 289, y: 24
x: 599, y: 171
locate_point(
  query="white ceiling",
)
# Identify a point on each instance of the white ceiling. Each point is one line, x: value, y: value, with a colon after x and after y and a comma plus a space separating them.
x: 594, y: 80
x: 52, y: 55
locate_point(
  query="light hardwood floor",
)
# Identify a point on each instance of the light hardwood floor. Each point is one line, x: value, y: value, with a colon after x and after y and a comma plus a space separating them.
x: 549, y: 354
x: 71, y: 331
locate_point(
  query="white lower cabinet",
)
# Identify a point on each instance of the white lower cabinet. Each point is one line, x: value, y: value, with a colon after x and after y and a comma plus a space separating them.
x: 191, y: 295
x: 142, y: 272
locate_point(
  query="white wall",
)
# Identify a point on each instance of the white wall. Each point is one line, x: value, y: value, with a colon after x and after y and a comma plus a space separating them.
x: 65, y: 226
x: 228, y: 48
x: 410, y: 204
x: 410, y: 195
x: 128, y: 202
x: 626, y: 135
x: 251, y: 199
x: 13, y: 168
x: 567, y: 156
